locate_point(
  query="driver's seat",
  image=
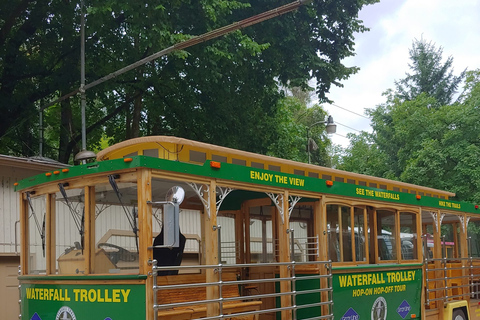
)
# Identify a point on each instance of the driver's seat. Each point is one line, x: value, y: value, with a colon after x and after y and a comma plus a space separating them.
x: 167, y: 256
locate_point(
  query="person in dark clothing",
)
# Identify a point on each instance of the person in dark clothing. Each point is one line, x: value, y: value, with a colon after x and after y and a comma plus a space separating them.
x: 168, y: 256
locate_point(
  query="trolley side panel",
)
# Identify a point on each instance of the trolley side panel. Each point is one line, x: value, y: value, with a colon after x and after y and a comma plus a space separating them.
x: 83, y: 302
x: 392, y: 294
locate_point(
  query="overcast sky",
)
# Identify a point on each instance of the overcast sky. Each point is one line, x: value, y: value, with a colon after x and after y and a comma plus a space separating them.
x: 382, y: 53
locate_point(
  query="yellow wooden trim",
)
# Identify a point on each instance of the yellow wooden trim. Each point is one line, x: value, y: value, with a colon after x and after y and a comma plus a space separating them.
x: 127, y: 175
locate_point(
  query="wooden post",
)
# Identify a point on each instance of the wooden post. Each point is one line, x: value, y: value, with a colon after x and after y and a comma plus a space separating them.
x: 50, y: 231
x: 352, y: 234
x: 246, y: 214
x: 464, y: 254
x: 145, y: 237
x: 239, y: 237
x: 319, y: 218
x: 368, y: 244
x: 374, y: 238
x: 24, y: 235
x: 89, y: 250
x: 398, y: 240
x: 284, y: 256
x: 419, y: 231
x: 437, y: 254
x: 211, y: 249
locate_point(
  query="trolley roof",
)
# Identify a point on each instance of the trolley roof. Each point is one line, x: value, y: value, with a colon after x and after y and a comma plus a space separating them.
x: 184, y: 150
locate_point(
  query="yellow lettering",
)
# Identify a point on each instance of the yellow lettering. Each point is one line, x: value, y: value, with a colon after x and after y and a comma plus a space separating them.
x: 107, y: 299
x: 125, y: 294
x: 76, y: 292
x: 83, y: 295
x: 99, y: 295
x: 116, y: 295
x: 92, y: 295
x: 67, y: 298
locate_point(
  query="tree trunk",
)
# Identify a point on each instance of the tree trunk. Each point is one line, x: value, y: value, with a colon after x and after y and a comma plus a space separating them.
x: 66, y: 131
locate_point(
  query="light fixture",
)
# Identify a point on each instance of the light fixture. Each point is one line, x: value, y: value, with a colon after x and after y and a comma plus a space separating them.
x: 330, y: 127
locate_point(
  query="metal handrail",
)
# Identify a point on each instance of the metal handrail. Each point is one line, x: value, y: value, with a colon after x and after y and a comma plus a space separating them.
x: 444, y: 283
x: 219, y: 300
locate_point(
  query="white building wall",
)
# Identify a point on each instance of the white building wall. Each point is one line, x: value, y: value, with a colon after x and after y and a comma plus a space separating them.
x: 13, y: 169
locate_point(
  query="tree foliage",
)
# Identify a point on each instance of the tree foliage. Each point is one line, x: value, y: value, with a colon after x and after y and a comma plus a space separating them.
x: 435, y: 147
x: 429, y: 75
x: 419, y: 135
x: 296, y: 123
x: 224, y: 91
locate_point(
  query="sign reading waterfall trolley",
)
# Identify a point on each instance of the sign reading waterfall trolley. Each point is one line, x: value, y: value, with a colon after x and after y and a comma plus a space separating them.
x: 377, y: 295
x: 46, y: 301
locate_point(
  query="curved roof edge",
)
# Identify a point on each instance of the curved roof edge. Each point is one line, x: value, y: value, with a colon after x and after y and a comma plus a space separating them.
x: 102, y: 155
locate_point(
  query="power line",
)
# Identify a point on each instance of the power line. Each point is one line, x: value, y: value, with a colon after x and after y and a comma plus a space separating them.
x: 358, y: 114
x: 341, y: 135
x: 348, y: 127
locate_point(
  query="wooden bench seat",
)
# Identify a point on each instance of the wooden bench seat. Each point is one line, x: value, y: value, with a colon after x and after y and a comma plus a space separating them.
x: 198, y: 294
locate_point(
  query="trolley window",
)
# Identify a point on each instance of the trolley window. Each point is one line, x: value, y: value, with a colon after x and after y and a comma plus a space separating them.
x: 347, y: 233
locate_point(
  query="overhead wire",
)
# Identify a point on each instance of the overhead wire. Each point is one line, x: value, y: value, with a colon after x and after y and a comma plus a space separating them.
x: 343, y: 125
x: 358, y: 114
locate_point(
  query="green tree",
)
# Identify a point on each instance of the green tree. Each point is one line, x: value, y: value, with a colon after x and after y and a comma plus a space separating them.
x: 364, y: 156
x: 224, y: 91
x: 293, y: 126
x: 429, y: 74
x: 436, y: 147
x: 449, y: 157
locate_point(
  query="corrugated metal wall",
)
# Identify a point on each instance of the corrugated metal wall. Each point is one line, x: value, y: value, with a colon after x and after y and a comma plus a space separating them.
x: 9, y: 206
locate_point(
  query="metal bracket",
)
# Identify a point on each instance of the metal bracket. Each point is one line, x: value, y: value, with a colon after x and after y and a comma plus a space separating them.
x: 462, y: 220
x: 278, y: 201
x: 199, y: 190
x: 222, y: 194
x: 434, y: 217
x: 292, y: 201
x: 442, y: 215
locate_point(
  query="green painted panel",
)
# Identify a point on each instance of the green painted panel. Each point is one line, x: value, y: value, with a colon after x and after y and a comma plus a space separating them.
x: 255, y: 176
x: 380, y: 295
x: 83, y: 302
